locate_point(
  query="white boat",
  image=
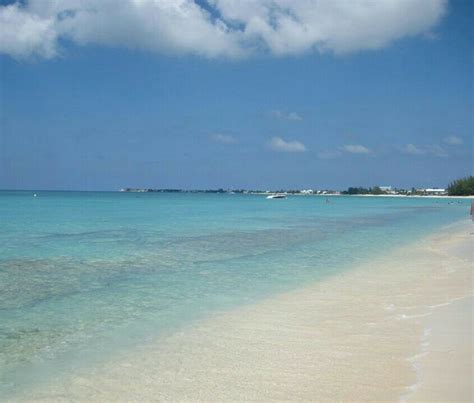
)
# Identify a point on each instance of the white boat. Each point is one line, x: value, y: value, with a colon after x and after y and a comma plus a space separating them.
x: 277, y: 196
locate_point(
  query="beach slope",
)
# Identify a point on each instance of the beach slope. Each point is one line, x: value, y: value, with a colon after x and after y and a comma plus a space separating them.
x: 395, y: 328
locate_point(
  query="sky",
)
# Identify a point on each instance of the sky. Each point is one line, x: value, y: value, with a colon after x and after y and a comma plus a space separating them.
x: 256, y: 94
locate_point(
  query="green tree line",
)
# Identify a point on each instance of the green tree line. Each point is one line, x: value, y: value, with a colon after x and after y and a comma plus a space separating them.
x: 363, y: 191
x: 462, y: 187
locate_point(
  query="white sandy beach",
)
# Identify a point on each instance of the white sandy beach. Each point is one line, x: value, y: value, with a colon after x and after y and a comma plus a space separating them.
x: 445, y: 366
x: 396, y: 328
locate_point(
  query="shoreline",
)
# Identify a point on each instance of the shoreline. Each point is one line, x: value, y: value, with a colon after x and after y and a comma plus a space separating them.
x: 416, y: 196
x: 244, y: 194
x: 358, y: 335
x: 444, y: 364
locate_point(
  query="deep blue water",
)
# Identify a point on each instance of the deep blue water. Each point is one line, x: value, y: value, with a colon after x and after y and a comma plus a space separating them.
x: 88, y: 274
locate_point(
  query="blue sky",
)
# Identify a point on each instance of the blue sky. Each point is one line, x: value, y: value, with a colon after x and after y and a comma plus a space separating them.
x: 110, y: 106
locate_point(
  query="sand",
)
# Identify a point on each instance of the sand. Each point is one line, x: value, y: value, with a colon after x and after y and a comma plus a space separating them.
x: 396, y: 328
x: 446, y: 361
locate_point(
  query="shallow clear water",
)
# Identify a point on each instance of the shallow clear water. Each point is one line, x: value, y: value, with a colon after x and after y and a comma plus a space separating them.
x: 86, y: 275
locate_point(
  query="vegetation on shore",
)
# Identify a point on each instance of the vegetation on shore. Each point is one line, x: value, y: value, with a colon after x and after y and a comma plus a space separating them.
x: 363, y: 191
x: 462, y: 187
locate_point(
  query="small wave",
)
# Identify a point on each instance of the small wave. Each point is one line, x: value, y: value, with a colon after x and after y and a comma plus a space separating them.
x: 405, y: 316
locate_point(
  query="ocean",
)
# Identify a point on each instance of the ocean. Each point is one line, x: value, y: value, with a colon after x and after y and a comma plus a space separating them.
x: 86, y: 276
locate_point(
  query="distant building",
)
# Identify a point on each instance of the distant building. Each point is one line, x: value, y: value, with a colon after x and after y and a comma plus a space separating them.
x: 435, y: 191
x: 307, y: 191
x: 385, y: 188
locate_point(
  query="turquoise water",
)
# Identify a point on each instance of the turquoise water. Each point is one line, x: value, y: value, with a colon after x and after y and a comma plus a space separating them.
x: 87, y: 275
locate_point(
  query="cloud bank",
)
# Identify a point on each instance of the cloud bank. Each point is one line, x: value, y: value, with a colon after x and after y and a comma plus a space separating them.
x: 278, y: 144
x: 216, y: 28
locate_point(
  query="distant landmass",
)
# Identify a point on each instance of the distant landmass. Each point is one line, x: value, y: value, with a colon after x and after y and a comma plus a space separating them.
x: 459, y: 187
x: 376, y: 190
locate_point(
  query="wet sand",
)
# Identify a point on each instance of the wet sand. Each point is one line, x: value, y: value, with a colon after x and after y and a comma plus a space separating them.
x: 394, y: 328
x: 446, y: 361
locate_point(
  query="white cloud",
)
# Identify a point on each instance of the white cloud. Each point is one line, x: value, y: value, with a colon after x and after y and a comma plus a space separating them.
x: 293, y: 27
x: 433, y: 150
x: 413, y: 149
x: 24, y: 34
x: 356, y: 149
x: 165, y: 26
x: 453, y: 140
x: 286, y: 115
x: 223, y: 138
x: 224, y: 28
x: 437, y: 151
x: 278, y: 144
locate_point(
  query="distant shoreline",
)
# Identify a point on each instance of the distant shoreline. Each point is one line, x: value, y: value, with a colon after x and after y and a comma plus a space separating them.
x: 258, y: 193
x: 414, y: 196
